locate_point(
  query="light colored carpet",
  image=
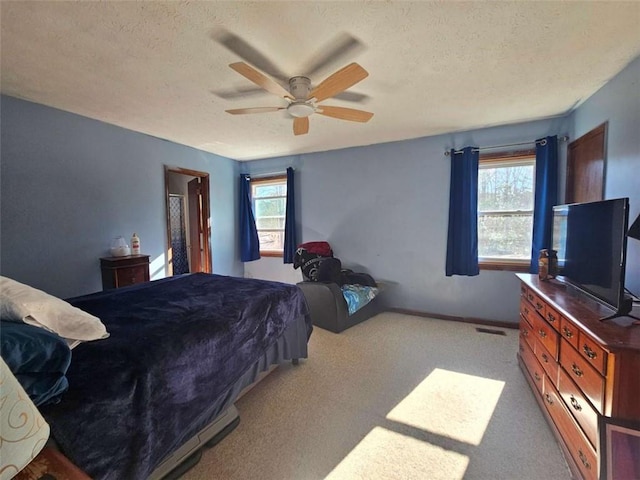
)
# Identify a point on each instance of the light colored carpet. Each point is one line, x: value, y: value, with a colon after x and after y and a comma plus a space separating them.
x: 396, y: 397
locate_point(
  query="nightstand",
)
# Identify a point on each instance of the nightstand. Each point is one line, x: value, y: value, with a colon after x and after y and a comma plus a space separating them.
x: 51, y: 464
x: 124, y: 271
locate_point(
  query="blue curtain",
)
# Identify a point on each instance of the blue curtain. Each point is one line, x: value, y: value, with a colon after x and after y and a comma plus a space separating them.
x: 249, y: 243
x: 290, y: 241
x: 462, y: 240
x: 546, y: 196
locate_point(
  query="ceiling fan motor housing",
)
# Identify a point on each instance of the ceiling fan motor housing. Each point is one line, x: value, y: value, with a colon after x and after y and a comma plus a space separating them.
x: 300, y: 87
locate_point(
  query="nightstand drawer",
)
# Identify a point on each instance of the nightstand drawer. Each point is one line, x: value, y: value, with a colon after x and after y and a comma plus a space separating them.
x: 120, y: 272
x: 130, y: 276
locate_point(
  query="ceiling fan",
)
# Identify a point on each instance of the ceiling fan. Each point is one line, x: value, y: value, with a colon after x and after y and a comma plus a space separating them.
x: 303, y: 99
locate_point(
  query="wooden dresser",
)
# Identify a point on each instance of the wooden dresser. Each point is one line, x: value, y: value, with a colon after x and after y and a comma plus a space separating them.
x: 579, y: 367
x: 124, y: 271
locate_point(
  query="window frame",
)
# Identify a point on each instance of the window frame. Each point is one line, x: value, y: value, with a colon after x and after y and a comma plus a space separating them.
x: 522, y: 157
x: 277, y: 179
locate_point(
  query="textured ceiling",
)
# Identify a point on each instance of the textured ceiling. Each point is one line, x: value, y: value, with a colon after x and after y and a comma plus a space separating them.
x: 162, y: 67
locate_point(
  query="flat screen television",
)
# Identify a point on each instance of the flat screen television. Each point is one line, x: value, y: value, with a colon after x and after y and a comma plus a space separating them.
x: 591, y: 241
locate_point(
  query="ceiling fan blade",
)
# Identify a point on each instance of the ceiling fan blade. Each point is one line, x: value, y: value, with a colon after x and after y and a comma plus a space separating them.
x: 301, y: 125
x: 343, y: 46
x: 259, y: 79
x: 245, y: 51
x: 342, y: 113
x: 242, y: 111
x: 339, y: 82
x: 232, y: 94
x: 352, y: 97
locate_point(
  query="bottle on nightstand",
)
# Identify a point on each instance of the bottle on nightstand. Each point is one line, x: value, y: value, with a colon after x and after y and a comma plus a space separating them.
x: 135, y: 245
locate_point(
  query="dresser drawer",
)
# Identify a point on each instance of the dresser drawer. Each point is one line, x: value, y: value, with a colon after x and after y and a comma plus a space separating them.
x: 584, y: 375
x: 545, y: 334
x: 547, y: 361
x: 527, y: 311
x: 569, y: 332
x: 593, y: 353
x: 581, y: 450
x: 532, y: 366
x: 577, y: 404
x: 553, y: 318
x: 526, y: 332
x: 538, y: 305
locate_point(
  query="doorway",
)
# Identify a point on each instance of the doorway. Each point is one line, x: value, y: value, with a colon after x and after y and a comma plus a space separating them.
x: 188, y: 221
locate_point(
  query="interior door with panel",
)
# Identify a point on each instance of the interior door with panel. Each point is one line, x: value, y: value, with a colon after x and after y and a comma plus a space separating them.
x: 586, y: 166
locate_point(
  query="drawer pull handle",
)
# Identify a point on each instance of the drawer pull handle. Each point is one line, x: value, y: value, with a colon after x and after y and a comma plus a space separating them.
x: 526, y: 311
x: 539, y: 305
x: 583, y: 459
x: 567, y: 333
x: 525, y: 333
x: 542, y: 333
x: 537, y: 377
x: 548, y: 398
x: 588, y: 352
x: 545, y: 358
x: 575, y: 404
x: 530, y: 297
x: 577, y: 370
x: 551, y: 318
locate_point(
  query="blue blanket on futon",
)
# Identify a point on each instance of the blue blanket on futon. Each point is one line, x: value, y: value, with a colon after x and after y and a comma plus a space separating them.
x: 175, y: 344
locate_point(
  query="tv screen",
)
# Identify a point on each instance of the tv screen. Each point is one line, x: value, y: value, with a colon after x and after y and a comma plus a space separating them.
x: 591, y: 240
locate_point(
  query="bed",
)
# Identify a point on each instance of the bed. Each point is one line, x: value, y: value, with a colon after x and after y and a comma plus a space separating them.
x: 179, y: 352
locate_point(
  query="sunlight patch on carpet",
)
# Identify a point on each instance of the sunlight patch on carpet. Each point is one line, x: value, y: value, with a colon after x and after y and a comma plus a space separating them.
x: 451, y: 404
x: 384, y: 454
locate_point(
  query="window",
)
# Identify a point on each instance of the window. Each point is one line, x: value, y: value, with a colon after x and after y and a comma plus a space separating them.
x: 269, y: 196
x: 505, y: 210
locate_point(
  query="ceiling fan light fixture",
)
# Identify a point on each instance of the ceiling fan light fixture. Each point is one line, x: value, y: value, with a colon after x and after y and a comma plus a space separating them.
x: 300, y: 109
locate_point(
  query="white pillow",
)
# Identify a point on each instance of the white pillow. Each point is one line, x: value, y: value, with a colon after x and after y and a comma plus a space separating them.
x: 22, y: 303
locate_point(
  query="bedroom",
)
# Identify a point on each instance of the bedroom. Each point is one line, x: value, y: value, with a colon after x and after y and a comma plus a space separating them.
x: 71, y: 183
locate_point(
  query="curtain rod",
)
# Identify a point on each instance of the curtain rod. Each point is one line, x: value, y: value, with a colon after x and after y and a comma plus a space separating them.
x: 266, y: 175
x: 542, y: 142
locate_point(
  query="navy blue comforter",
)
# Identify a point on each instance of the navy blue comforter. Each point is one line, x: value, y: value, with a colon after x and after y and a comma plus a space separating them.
x: 175, y: 345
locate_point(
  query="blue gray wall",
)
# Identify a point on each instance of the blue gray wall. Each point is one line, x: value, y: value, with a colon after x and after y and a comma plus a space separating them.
x: 384, y: 209
x: 618, y: 103
x: 70, y: 184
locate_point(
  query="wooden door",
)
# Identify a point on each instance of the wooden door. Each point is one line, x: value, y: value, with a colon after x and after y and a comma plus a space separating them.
x: 196, y: 230
x: 586, y: 167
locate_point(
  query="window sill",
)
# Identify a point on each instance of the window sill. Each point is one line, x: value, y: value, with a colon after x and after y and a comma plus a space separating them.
x: 272, y: 254
x: 505, y: 266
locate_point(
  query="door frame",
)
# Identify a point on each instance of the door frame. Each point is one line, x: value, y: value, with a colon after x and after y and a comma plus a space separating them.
x: 206, y: 217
